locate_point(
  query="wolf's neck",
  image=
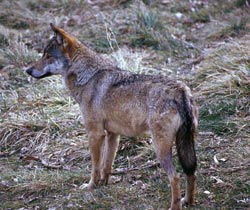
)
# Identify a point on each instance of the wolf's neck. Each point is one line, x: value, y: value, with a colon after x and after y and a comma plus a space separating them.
x: 86, y: 63
x: 77, y: 50
x: 83, y: 70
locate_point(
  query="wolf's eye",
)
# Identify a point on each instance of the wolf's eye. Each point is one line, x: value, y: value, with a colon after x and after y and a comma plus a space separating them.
x: 54, y: 51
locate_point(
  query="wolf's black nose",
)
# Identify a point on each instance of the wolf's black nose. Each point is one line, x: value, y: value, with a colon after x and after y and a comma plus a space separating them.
x: 29, y: 70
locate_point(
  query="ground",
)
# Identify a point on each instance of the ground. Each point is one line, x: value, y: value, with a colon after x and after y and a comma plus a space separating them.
x: 44, y: 154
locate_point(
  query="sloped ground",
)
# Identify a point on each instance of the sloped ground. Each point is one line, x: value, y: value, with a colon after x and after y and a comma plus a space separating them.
x: 44, y: 154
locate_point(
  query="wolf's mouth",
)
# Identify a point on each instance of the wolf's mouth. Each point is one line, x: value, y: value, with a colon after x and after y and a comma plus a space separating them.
x: 37, y: 74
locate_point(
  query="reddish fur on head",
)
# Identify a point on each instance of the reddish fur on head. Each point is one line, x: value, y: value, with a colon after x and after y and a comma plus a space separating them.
x: 69, y: 42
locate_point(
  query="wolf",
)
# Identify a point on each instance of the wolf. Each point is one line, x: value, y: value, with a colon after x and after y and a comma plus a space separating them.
x: 116, y: 102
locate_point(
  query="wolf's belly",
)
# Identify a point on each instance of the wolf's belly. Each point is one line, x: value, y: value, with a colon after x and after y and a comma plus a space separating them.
x: 126, y: 128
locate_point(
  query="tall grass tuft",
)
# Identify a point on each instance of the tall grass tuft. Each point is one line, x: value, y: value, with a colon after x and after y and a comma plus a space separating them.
x: 18, y: 54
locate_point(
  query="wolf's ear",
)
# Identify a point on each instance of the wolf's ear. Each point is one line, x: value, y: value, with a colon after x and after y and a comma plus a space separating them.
x: 63, y: 38
x: 58, y: 33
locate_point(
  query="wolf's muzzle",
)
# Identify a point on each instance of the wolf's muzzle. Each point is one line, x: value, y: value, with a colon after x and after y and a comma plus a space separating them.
x: 36, y: 74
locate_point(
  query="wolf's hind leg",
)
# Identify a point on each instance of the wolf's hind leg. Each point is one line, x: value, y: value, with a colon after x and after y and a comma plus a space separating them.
x: 189, y: 198
x: 109, y: 153
x: 163, y: 132
x: 163, y: 146
x: 174, y: 179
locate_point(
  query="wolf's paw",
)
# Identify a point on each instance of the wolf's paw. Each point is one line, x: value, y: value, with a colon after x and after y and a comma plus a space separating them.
x: 86, y: 186
x: 175, y: 208
x: 186, y: 202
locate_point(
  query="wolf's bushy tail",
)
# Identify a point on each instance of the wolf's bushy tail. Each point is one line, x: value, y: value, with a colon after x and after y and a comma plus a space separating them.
x: 185, y: 134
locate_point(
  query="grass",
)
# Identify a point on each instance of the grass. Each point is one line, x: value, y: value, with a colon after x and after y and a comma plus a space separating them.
x: 18, y: 54
x: 235, y: 28
x: 147, y: 23
x: 241, y: 3
x: 200, y: 16
x: 151, y: 31
x: 225, y: 70
x: 44, y: 155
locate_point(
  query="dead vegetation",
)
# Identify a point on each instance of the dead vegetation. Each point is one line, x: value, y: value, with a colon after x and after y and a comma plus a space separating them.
x: 44, y: 154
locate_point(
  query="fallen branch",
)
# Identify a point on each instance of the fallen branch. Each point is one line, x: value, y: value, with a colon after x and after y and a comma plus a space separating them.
x: 234, y: 169
x: 127, y: 170
x: 48, y: 165
x: 42, y: 161
x: 4, y: 154
x: 228, y: 170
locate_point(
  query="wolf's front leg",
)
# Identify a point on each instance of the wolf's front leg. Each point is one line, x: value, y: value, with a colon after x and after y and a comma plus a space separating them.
x: 109, y: 152
x: 96, y: 141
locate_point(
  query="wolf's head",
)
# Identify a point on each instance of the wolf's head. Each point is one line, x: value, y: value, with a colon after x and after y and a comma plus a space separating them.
x: 57, y: 55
